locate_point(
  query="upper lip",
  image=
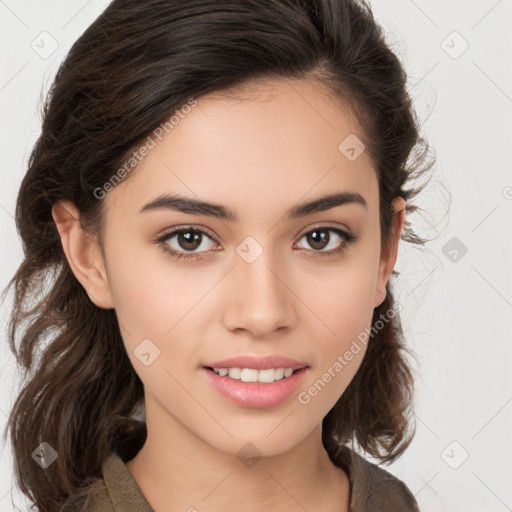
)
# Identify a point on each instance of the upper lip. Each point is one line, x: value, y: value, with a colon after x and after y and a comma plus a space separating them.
x: 258, y: 363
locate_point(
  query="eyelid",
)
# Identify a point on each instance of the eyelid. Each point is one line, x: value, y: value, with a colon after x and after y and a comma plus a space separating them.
x: 318, y: 225
x: 207, y: 231
x: 191, y: 227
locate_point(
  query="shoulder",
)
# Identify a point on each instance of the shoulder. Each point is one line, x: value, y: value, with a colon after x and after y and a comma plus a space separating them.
x: 372, y: 487
x: 90, y: 498
x: 98, y: 499
x: 116, y: 491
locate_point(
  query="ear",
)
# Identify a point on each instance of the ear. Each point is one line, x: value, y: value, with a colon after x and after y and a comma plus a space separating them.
x: 388, y: 257
x: 83, y: 254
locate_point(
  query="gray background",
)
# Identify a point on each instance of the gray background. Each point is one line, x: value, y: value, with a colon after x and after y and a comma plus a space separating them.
x: 457, y: 304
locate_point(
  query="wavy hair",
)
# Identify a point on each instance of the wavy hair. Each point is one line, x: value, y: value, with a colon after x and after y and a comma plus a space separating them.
x: 133, y: 67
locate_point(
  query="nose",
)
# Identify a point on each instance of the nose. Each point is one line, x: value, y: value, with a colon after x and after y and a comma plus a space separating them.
x: 258, y: 298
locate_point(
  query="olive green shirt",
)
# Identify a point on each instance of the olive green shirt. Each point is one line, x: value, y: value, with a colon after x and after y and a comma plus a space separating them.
x: 372, y: 489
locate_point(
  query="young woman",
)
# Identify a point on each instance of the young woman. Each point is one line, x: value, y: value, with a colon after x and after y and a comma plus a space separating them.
x: 210, y: 220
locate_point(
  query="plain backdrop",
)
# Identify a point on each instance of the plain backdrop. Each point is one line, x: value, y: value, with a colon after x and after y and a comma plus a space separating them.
x: 456, y: 292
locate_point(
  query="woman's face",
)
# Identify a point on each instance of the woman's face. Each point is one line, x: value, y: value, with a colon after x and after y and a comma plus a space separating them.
x: 268, y: 283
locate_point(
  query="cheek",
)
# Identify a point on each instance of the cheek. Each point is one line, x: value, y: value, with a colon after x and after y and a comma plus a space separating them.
x: 147, y: 302
x: 339, y: 350
x: 148, y: 292
x: 159, y: 301
x: 347, y: 305
x: 154, y: 306
x: 342, y: 296
x: 347, y: 314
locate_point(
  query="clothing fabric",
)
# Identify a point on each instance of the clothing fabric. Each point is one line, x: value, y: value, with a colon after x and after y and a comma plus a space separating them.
x: 372, y: 488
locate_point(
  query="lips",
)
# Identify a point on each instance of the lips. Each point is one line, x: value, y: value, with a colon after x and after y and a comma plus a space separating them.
x: 258, y: 363
x: 255, y: 394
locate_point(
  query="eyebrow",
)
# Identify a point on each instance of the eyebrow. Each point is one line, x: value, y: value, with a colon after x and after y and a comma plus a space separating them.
x: 197, y: 207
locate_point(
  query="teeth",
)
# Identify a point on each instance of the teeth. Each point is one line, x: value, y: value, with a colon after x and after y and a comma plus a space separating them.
x: 234, y: 373
x: 279, y: 373
x: 249, y: 375
x: 265, y: 375
x: 252, y: 375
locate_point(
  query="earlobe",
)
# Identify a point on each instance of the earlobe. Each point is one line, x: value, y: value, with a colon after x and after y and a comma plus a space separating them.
x: 82, y: 253
x: 388, y: 258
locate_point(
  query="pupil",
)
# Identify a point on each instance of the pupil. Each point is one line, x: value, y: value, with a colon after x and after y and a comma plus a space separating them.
x: 318, y: 239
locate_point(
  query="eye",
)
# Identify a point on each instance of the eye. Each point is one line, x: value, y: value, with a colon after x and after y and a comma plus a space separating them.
x: 186, y: 242
x: 190, y: 242
x: 327, y: 240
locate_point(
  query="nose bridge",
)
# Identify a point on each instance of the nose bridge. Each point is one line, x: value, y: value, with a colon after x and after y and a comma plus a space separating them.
x: 259, y: 301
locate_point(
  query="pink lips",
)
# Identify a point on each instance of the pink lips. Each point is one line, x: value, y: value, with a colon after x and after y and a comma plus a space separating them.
x: 258, y: 363
x: 255, y: 394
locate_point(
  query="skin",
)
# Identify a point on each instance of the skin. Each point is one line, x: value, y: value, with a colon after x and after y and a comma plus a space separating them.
x: 259, y: 155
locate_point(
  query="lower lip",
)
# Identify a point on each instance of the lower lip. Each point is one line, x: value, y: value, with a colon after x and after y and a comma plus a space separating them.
x: 255, y: 394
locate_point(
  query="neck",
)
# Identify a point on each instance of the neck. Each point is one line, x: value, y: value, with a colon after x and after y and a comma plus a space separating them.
x: 176, y: 470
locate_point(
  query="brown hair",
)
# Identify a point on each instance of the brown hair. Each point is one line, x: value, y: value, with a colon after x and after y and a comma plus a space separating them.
x: 129, y: 71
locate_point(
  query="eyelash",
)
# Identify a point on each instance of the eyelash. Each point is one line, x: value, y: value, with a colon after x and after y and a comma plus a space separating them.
x: 348, y: 238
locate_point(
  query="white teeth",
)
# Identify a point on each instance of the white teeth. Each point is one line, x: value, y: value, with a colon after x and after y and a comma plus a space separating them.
x: 253, y: 375
x: 266, y: 375
x: 249, y: 375
x: 234, y: 373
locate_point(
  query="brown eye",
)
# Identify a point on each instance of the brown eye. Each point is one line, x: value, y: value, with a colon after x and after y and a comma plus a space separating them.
x: 189, y: 240
x: 318, y: 239
x: 327, y: 240
x: 186, y: 240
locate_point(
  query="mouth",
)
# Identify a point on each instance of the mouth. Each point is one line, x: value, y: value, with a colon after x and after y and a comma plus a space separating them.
x: 262, y: 376
x: 245, y: 367
x: 256, y: 388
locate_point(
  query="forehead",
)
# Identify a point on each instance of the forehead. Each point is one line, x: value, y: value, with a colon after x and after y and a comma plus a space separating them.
x: 265, y: 147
